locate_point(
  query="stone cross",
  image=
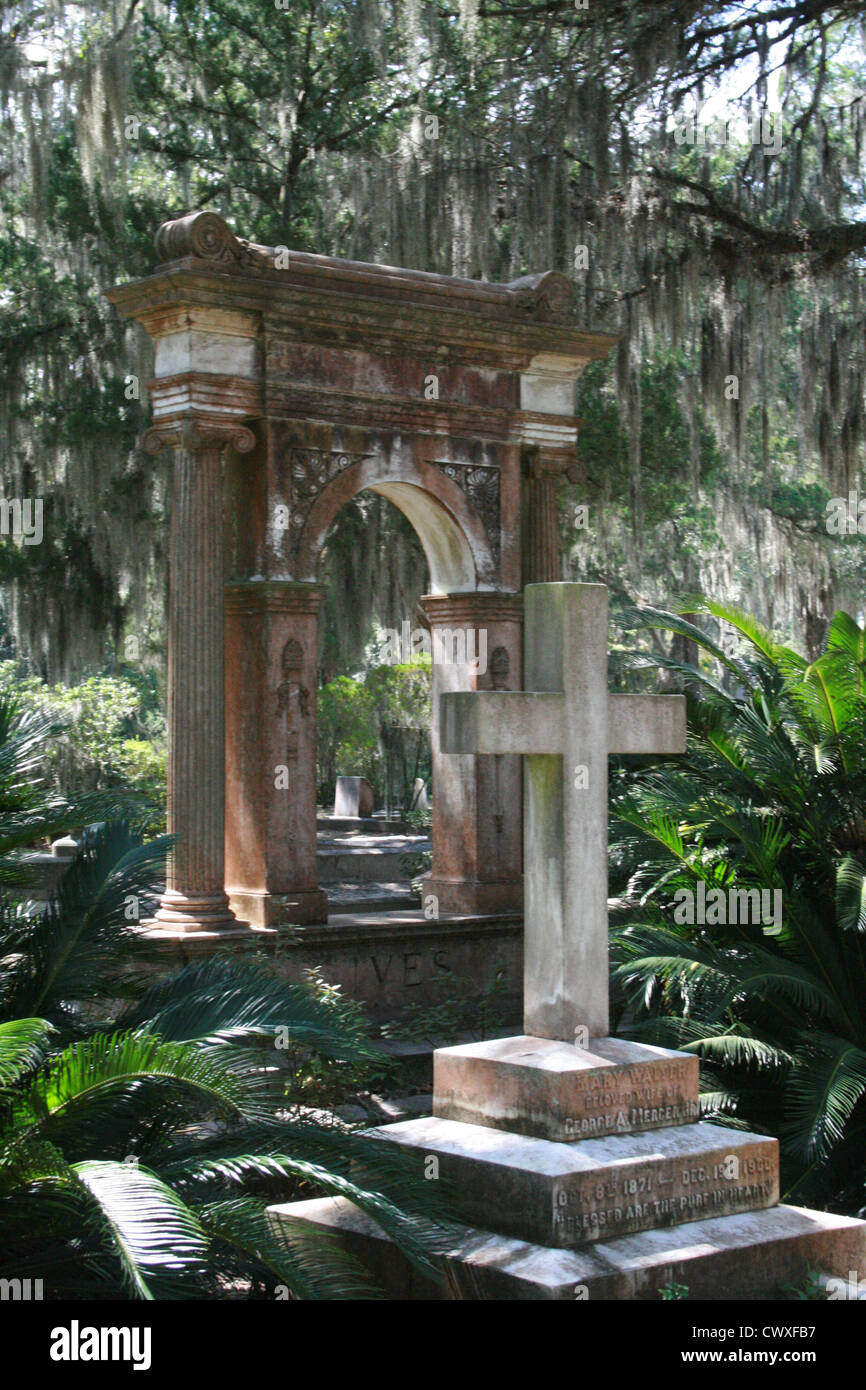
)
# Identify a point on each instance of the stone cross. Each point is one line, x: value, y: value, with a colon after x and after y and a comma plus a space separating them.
x: 565, y: 723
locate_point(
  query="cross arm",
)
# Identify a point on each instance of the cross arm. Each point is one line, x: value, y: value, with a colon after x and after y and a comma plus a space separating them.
x: 647, y: 724
x: 500, y: 721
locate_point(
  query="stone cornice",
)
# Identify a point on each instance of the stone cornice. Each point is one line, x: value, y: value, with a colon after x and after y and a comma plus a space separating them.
x: 329, y: 300
x: 378, y: 412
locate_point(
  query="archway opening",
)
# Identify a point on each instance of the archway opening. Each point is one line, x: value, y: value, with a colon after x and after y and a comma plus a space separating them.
x: 375, y: 677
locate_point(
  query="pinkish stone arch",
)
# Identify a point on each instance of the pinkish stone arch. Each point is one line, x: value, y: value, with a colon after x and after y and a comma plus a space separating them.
x: 312, y: 374
x: 453, y: 537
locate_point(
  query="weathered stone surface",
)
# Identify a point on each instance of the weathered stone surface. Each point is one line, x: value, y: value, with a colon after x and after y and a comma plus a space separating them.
x: 553, y: 1090
x: 334, y: 362
x: 385, y: 961
x: 353, y: 798
x: 270, y: 836
x: 747, y: 1256
x: 570, y: 1194
x: 355, y: 857
x: 565, y: 722
x: 477, y: 837
x: 195, y: 899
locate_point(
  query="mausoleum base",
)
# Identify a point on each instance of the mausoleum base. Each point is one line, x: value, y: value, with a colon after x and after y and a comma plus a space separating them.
x: 587, y: 1173
x: 386, y: 960
x: 280, y: 909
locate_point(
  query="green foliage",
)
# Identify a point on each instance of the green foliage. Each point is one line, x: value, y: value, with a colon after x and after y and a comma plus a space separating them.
x: 416, y: 864
x: 771, y: 796
x: 376, y: 727
x: 141, y: 1135
x: 109, y: 733
x: 455, y: 1018
x: 347, y: 734
x: 322, y: 1080
x: 402, y: 694
x: 671, y: 1291
x: 812, y: 1291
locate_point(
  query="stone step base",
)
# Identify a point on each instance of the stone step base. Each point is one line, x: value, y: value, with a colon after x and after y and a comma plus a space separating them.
x: 567, y: 1195
x: 327, y: 824
x: 555, y: 1090
x: 366, y: 858
x: 748, y: 1256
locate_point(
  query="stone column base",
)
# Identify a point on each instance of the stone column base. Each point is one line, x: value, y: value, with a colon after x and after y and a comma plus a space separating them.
x: 472, y: 898
x: 280, y: 909
x: 187, y: 912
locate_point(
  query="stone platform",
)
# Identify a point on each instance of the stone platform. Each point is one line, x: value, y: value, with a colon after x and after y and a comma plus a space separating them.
x: 387, y: 960
x: 652, y: 1196
x: 564, y: 1194
x: 730, y: 1258
x: 369, y: 857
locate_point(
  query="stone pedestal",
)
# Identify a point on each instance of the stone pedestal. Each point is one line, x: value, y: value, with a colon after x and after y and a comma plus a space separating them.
x: 558, y: 1091
x: 271, y: 653
x: 648, y: 1200
x: 195, y: 899
x: 477, y: 800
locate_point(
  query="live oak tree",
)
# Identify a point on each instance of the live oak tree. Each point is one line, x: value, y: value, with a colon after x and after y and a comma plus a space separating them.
x: 487, y: 139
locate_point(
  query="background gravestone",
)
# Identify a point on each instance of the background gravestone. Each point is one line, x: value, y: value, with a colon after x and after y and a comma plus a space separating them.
x: 354, y: 798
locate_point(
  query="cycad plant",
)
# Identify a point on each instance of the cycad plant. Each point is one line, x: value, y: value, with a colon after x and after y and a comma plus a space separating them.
x: 769, y: 799
x: 141, y: 1135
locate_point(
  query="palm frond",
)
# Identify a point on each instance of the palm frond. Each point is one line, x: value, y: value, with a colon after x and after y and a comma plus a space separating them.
x: 310, y: 1264
x: 229, y: 1000
x: 825, y: 1088
x: 23, y: 1045
x: 144, y: 1225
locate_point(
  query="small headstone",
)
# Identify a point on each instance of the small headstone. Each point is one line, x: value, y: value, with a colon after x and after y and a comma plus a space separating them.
x: 354, y: 798
x: 64, y: 848
x: 419, y: 795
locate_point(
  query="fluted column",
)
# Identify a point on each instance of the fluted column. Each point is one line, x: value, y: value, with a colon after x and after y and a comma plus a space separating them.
x: 477, y: 824
x: 542, y: 470
x: 195, y: 898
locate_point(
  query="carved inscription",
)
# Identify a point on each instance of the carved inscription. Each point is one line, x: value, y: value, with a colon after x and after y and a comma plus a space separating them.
x: 408, y: 969
x: 668, y: 1193
x: 625, y: 1100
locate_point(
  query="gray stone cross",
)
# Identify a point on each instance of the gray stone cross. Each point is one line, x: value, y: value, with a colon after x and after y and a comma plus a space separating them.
x: 565, y: 723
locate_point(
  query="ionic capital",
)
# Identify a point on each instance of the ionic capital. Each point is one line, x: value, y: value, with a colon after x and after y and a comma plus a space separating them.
x: 192, y: 433
x: 551, y: 463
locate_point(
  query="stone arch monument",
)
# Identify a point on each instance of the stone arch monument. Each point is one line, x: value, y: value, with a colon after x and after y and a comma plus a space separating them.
x: 285, y: 383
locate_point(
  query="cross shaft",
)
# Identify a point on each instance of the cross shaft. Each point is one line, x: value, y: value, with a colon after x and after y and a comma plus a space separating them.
x: 565, y: 723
